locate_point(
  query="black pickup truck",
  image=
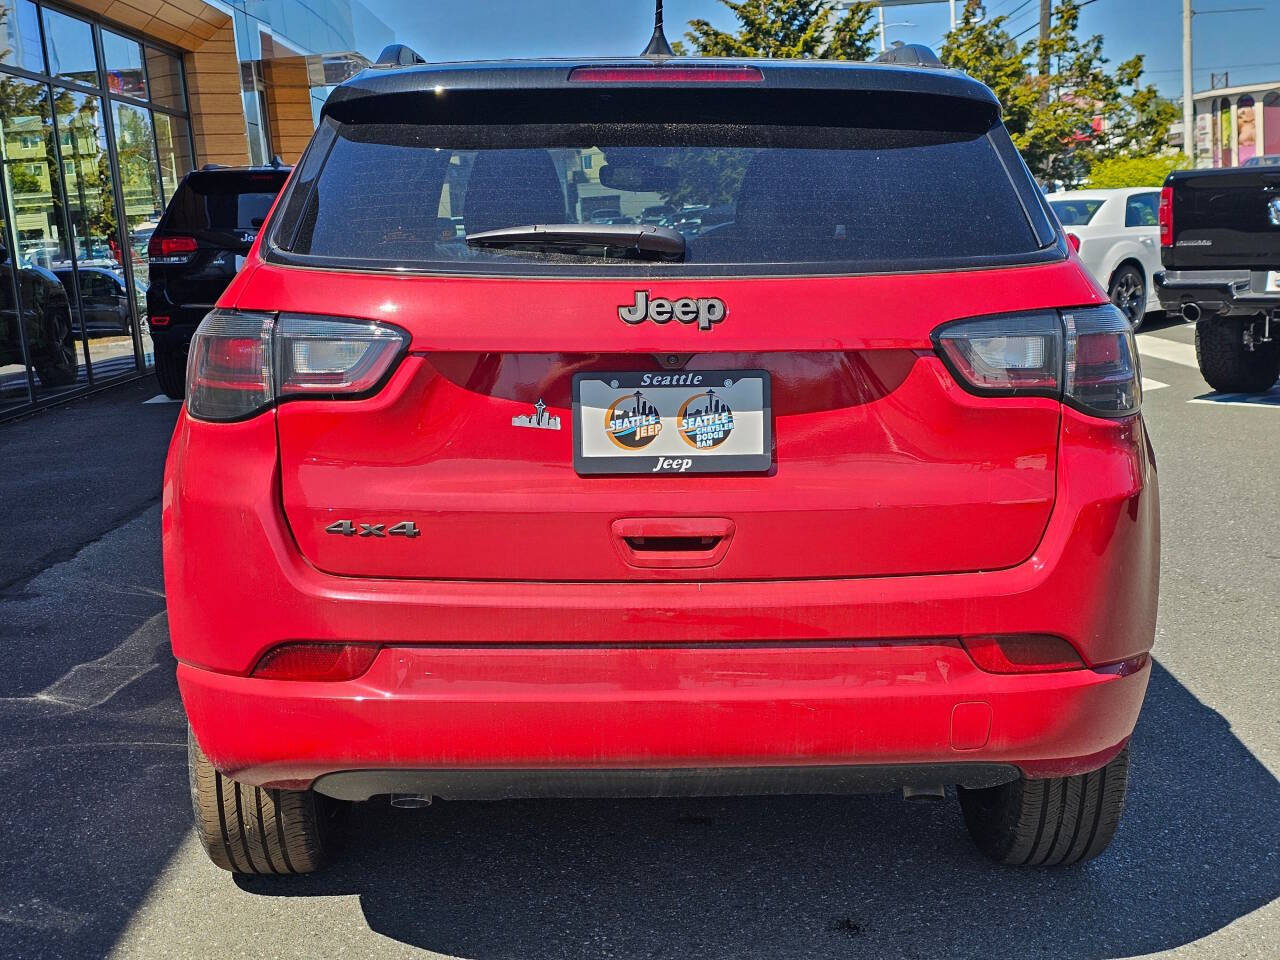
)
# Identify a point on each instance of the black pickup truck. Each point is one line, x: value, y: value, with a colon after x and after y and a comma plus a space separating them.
x: 1220, y: 246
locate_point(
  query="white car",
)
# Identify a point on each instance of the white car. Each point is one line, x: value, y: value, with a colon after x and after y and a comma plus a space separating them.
x: 1117, y: 233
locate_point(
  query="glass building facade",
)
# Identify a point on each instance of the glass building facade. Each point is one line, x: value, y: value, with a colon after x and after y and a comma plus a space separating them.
x: 104, y: 107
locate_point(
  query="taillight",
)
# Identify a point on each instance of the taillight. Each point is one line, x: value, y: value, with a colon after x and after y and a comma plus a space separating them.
x: 1013, y: 355
x: 646, y: 75
x: 1102, y: 374
x: 242, y: 363
x: 1166, y: 217
x: 158, y: 320
x: 173, y: 248
x: 1022, y: 654
x: 1074, y: 241
x: 325, y: 662
x: 1087, y: 358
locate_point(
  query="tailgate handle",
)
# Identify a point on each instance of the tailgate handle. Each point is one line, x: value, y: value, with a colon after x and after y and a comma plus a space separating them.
x: 672, y: 543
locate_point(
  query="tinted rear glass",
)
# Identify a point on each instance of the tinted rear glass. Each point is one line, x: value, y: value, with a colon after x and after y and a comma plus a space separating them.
x: 223, y: 201
x: 745, y: 197
x: 1076, y: 213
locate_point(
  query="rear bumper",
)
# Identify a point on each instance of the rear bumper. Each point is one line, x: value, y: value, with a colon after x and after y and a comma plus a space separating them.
x: 520, y: 721
x: 652, y: 676
x: 1231, y: 293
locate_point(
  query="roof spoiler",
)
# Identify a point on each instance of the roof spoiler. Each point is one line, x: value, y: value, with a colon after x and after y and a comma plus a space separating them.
x: 910, y: 55
x: 398, y: 55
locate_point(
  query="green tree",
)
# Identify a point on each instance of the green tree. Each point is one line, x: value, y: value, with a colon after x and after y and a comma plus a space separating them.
x: 788, y: 29
x: 1136, y: 171
x: 1075, y: 115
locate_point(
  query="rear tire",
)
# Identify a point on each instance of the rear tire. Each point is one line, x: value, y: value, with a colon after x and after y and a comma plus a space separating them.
x: 1128, y: 291
x: 171, y: 371
x: 1055, y: 822
x: 1227, y: 365
x: 253, y: 830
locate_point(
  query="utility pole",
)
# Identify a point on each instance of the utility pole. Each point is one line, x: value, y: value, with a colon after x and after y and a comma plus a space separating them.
x: 1046, y: 21
x: 1188, y: 103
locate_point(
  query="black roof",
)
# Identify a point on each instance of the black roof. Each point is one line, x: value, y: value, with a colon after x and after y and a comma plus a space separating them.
x: 820, y: 76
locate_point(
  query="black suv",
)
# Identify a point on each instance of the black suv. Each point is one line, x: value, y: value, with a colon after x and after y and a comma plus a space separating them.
x: 198, y: 246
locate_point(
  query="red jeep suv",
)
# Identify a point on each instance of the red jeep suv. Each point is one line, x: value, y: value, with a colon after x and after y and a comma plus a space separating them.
x: 661, y: 427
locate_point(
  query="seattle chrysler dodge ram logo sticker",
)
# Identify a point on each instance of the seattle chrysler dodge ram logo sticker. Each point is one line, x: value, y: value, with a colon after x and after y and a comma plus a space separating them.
x: 705, y: 421
x: 705, y: 311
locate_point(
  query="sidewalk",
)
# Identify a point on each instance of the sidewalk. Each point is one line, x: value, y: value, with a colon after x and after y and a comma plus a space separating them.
x: 73, y: 472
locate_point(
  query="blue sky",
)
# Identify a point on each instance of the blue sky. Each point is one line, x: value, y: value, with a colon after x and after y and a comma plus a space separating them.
x: 1246, y: 43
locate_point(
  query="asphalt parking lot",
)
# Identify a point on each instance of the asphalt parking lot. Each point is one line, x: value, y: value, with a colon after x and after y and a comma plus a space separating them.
x: 97, y: 857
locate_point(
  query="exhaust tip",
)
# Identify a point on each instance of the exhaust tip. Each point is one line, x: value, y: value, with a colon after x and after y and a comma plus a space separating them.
x: 927, y: 793
x: 1191, y: 312
x: 409, y: 801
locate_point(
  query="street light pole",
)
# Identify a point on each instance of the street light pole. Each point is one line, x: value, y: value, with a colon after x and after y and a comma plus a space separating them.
x: 1188, y: 103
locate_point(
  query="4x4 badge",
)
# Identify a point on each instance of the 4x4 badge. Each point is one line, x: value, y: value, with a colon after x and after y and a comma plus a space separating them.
x: 706, y: 311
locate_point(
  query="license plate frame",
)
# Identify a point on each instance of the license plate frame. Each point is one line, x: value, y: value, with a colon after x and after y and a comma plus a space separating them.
x: 1273, y: 282
x: 707, y: 422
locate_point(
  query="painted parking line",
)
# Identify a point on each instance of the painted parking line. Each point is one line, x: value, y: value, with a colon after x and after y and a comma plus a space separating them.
x: 1268, y: 400
x: 1148, y: 385
x: 1171, y: 350
x: 161, y: 398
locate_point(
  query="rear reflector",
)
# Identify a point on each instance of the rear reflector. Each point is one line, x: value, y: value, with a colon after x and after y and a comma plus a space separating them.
x: 158, y: 321
x: 646, y: 75
x: 1022, y: 654
x: 325, y: 662
x: 242, y: 363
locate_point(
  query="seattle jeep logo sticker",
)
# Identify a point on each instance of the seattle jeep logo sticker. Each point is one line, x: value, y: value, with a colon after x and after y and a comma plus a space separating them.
x: 705, y: 311
x: 632, y: 421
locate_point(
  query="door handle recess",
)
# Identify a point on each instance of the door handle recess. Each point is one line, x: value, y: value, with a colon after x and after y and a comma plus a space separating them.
x: 672, y: 543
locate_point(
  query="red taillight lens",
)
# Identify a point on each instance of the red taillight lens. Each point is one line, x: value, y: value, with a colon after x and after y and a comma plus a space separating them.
x: 647, y: 75
x: 1022, y: 654
x: 241, y: 363
x: 1085, y: 357
x: 1074, y: 241
x: 229, y: 366
x: 1005, y: 356
x: 325, y: 662
x: 157, y: 320
x: 1102, y: 374
x: 1166, y: 217
x: 171, y: 248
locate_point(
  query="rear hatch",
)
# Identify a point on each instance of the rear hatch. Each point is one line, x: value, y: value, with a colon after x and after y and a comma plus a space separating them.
x: 209, y: 226
x: 800, y: 321
x: 1226, y: 220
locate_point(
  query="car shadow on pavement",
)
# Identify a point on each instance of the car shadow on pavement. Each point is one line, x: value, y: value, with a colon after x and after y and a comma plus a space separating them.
x: 820, y: 876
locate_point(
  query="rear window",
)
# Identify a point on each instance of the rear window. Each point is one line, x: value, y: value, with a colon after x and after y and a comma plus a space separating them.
x: 1076, y: 213
x: 746, y: 198
x: 223, y: 201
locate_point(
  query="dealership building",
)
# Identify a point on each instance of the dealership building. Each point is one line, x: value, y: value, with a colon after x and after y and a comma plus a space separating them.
x: 104, y: 106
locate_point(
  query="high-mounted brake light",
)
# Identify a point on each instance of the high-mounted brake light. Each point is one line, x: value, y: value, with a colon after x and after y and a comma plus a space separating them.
x: 242, y: 363
x: 1087, y: 358
x: 174, y: 248
x: 1166, y: 217
x: 647, y: 75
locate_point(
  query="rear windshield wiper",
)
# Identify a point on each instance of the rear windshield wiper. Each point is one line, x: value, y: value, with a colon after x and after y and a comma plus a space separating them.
x: 610, y: 240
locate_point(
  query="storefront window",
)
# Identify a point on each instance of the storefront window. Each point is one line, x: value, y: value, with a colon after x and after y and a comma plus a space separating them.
x: 123, y: 59
x: 1246, y: 130
x: 70, y: 46
x: 95, y: 234
x: 1271, y: 124
x: 76, y: 210
x: 52, y: 337
x: 22, y: 25
x: 140, y: 184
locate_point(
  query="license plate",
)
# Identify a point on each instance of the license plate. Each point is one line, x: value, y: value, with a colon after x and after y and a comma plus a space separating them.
x: 698, y: 421
x: 1273, y: 281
